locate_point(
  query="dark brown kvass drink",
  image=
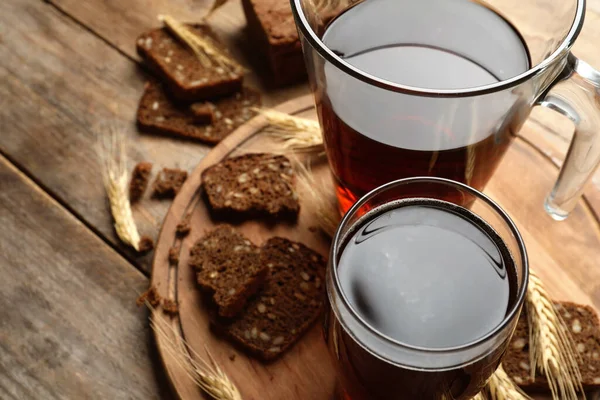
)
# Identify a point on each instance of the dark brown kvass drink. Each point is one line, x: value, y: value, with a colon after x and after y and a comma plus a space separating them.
x: 423, y: 277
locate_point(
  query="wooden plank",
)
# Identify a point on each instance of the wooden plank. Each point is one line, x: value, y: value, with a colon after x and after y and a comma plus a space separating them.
x: 70, y: 326
x: 60, y: 83
x: 121, y: 22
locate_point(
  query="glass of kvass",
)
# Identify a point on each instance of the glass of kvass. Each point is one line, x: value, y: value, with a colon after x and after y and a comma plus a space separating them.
x: 424, y: 294
x: 440, y: 87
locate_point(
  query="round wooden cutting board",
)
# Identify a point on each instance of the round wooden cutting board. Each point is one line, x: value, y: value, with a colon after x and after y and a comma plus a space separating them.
x: 566, y: 255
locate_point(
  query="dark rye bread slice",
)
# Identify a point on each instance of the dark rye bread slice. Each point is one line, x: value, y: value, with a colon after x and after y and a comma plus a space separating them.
x: 252, y: 183
x: 178, y: 66
x: 158, y: 114
x: 271, y: 28
x: 584, y: 327
x: 291, y: 299
x: 228, y: 268
x: 139, y: 180
x: 168, y: 182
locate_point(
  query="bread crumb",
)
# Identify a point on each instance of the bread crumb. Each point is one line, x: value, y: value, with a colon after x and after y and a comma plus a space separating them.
x: 170, y: 307
x: 202, y: 112
x: 146, y: 244
x: 151, y: 296
x: 184, y: 226
x: 174, y: 255
x: 139, y: 180
x: 169, y: 182
x: 232, y: 357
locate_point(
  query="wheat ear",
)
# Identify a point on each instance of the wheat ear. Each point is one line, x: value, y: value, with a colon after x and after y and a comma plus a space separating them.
x: 327, y: 5
x: 501, y: 387
x: 320, y: 197
x: 551, y: 346
x: 208, y: 52
x: 297, y: 134
x: 324, y: 6
x: 479, y: 396
x: 204, y: 372
x: 111, y: 153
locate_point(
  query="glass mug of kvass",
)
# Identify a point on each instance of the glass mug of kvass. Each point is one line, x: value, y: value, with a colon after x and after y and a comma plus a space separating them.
x: 440, y: 87
x: 424, y: 294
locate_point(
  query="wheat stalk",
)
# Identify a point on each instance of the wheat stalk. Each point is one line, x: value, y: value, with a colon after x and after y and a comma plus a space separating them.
x: 205, y: 373
x: 551, y: 346
x: 320, y: 198
x: 324, y: 6
x: 204, y: 47
x: 111, y: 153
x: 501, y: 387
x: 470, y: 164
x: 297, y: 134
x: 450, y: 396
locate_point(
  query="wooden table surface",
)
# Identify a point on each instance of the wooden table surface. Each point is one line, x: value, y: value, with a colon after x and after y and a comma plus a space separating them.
x: 70, y: 328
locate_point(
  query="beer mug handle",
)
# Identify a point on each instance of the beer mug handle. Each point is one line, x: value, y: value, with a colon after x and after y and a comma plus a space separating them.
x: 576, y: 95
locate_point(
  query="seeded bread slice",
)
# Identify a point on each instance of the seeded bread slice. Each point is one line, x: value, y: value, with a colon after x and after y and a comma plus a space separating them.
x: 229, y: 268
x: 292, y: 299
x: 584, y: 327
x: 139, y: 181
x: 169, y: 182
x: 177, y: 65
x: 252, y: 183
x: 275, y: 38
x: 158, y: 114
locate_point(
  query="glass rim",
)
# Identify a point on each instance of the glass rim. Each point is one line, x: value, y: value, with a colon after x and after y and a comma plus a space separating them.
x: 521, y: 293
x: 317, y: 44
